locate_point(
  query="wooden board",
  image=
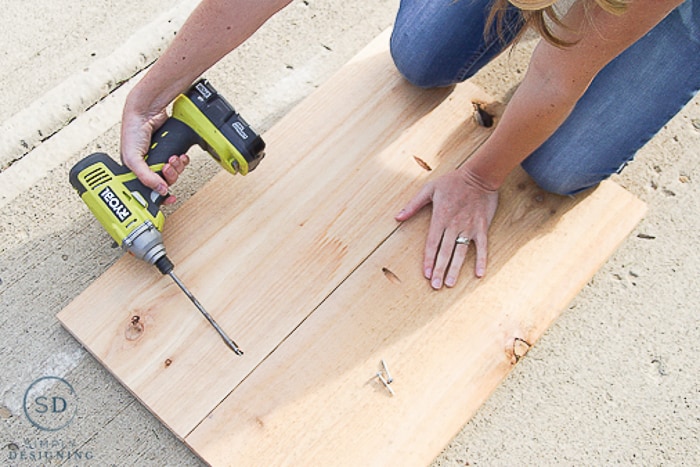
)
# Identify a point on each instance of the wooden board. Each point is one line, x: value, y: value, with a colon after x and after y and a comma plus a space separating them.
x: 289, y: 261
x: 315, y: 400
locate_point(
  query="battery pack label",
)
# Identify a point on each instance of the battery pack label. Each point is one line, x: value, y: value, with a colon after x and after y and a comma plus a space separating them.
x: 203, y: 90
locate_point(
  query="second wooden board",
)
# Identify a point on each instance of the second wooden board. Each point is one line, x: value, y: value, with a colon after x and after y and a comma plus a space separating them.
x: 317, y: 401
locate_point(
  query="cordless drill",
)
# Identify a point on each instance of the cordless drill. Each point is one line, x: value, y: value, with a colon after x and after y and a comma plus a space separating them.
x: 130, y: 211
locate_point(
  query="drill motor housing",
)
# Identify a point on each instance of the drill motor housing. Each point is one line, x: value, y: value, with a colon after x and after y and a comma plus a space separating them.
x: 130, y: 211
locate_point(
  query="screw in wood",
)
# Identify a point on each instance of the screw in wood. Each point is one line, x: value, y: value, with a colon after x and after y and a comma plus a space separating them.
x: 389, y: 379
x: 385, y: 383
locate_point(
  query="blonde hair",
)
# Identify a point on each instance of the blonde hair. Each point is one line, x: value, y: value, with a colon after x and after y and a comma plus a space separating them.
x: 540, y: 19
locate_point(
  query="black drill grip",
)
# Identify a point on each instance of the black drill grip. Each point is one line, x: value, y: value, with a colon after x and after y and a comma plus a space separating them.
x: 174, y: 138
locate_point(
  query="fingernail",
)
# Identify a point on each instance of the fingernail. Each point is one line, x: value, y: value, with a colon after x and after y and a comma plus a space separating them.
x: 436, y: 283
x: 428, y: 273
x: 480, y: 272
x: 450, y: 281
x: 162, y: 189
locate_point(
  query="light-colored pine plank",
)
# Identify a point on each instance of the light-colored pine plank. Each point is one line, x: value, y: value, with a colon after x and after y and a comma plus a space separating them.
x: 289, y: 260
x: 262, y: 252
x: 314, y: 401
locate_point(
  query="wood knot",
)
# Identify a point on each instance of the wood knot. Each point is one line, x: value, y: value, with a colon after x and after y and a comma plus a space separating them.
x: 520, y: 348
x: 391, y: 276
x: 168, y: 362
x: 424, y: 165
x: 481, y: 116
x: 135, y: 328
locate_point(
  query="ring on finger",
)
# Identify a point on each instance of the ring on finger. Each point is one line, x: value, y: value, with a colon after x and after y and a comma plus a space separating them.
x: 462, y: 240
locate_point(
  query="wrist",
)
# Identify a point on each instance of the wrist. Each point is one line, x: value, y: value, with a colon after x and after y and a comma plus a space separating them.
x: 138, y: 102
x: 149, y: 97
x: 484, y: 179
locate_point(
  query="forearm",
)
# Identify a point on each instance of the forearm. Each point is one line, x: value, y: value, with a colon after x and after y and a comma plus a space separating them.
x: 214, y: 28
x: 556, y: 79
x: 534, y: 113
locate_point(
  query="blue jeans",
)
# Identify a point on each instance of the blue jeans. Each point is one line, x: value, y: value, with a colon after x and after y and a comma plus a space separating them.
x: 442, y: 42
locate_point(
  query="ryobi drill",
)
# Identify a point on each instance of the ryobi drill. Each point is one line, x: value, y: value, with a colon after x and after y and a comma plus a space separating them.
x: 130, y: 211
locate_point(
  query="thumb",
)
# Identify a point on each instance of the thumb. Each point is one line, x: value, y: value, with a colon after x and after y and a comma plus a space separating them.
x: 422, y: 198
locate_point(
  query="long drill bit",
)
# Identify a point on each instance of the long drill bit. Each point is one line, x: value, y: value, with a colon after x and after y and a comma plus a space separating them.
x: 199, y: 306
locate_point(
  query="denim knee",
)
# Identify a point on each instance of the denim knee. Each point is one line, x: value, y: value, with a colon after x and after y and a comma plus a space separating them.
x: 553, y: 182
x: 570, y: 175
x: 440, y: 43
x: 416, y: 68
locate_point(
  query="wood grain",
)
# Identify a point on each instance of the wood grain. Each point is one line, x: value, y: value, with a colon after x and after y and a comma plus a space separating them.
x: 315, y: 400
x: 262, y: 251
x: 302, y: 263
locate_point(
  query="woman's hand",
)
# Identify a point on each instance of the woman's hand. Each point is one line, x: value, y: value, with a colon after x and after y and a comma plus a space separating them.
x: 136, y: 132
x: 462, y: 207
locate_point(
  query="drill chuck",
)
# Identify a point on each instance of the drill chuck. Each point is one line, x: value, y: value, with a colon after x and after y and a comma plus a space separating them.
x: 145, y: 242
x: 164, y: 265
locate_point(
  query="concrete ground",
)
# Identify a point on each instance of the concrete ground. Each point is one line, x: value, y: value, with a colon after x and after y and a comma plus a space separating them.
x: 614, y: 381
